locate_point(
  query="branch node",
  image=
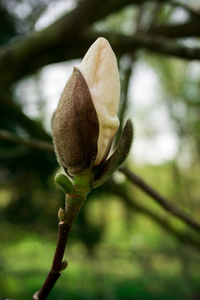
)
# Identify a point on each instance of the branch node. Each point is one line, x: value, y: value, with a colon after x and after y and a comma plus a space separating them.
x: 63, y: 265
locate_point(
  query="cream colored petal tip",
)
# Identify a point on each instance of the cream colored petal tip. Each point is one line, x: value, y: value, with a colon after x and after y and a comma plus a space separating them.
x: 99, y: 68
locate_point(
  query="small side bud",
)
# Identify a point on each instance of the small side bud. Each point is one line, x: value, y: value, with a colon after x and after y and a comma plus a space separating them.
x: 61, y: 214
x: 36, y: 296
x: 65, y: 183
x: 63, y: 265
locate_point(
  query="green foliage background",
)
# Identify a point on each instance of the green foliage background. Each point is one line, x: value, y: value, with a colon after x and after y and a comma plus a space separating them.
x: 114, y: 251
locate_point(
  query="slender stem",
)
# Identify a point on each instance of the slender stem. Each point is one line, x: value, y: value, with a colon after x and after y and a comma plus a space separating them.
x: 54, y: 274
x: 64, y: 226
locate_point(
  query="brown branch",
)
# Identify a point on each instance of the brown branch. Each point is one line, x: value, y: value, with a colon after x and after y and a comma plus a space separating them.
x: 35, y: 144
x: 185, y: 30
x: 54, y: 274
x: 69, y: 48
x: 10, y: 110
x: 182, y: 237
x: 58, y: 42
x: 167, y: 205
x: 123, y: 44
x: 67, y: 39
x: 66, y: 218
x: 124, y: 97
x: 162, y: 201
x: 191, y: 11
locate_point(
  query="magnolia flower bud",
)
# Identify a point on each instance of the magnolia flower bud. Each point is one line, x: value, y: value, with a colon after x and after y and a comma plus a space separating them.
x: 85, y: 121
x: 99, y: 68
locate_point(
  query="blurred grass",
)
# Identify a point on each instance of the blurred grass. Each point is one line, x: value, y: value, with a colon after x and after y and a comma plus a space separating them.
x: 130, y: 266
x: 134, y: 259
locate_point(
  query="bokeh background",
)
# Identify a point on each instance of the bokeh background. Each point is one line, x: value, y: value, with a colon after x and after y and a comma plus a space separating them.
x: 123, y: 245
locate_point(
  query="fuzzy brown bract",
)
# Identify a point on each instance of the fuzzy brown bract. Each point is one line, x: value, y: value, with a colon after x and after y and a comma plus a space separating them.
x: 75, y: 126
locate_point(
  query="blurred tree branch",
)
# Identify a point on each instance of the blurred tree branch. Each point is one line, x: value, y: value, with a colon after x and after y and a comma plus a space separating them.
x: 124, y: 95
x: 191, y: 11
x: 68, y: 38
x: 11, y: 59
x: 35, y: 144
x: 56, y: 42
x: 166, y: 204
x: 121, y: 191
x: 135, y: 179
x: 185, y: 30
x: 11, y: 110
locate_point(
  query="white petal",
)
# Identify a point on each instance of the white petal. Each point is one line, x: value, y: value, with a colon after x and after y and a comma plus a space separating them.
x: 99, y: 68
